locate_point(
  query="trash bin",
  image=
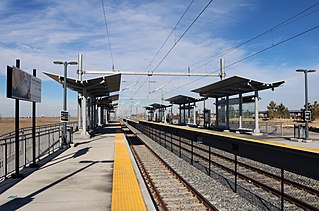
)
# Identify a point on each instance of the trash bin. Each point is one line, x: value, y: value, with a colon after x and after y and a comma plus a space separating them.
x: 69, y: 134
x: 299, y: 131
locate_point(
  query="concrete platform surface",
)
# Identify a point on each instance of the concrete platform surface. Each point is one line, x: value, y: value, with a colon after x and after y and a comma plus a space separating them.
x: 78, y: 179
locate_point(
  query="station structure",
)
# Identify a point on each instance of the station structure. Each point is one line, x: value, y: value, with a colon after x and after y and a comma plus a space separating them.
x: 229, y: 108
x: 235, y: 85
x: 95, y: 101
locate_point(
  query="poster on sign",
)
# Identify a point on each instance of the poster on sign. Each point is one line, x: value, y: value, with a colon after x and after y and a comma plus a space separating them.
x: 23, y: 86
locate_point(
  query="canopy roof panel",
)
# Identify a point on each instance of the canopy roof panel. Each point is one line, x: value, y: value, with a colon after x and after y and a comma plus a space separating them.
x: 181, y: 99
x: 97, y: 87
x: 108, y: 99
x: 155, y: 106
x: 234, y: 85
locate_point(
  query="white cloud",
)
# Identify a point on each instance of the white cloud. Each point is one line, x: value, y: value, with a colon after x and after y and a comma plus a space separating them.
x: 59, y: 30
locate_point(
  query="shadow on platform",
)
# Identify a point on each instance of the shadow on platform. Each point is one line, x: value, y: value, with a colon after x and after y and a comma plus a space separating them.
x: 18, y: 203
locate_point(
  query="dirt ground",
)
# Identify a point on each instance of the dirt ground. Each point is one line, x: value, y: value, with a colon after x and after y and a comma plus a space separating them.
x: 7, y: 124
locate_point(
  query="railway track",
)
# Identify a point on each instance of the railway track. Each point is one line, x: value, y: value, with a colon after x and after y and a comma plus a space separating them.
x: 254, y: 175
x: 262, y: 180
x: 170, y: 191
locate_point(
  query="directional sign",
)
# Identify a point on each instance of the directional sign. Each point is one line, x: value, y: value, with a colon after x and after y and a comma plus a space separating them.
x: 307, y: 116
x: 64, y: 116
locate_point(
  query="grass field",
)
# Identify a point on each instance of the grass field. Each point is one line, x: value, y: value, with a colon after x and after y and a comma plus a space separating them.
x: 7, y: 124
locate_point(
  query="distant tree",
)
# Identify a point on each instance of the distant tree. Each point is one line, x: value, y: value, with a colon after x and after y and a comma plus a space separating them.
x: 271, y: 110
x: 314, y: 108
x: 282, y: 111
x: 277, y: 111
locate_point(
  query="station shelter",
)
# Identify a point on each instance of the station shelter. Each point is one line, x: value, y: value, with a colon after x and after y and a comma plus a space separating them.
x: 90, y: 92
x: 187, y: 109
x: 229, y: 111
x: 156, y: 112
x: 106, y: 109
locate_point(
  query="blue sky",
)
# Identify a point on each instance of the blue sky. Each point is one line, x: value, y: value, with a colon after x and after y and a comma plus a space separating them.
x: 38, y: 32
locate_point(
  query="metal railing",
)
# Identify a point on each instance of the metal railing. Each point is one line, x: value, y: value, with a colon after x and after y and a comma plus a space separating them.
x: 270, y: 128
x: 47, y: 141
x: 198, y: 148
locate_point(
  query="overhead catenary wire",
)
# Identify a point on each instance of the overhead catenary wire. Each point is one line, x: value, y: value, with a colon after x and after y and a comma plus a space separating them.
x: 170, y: 34
x: 272, y: 29
x: 170, y: 50
x: 276, y: 27
x: 108, y: 34
x: 248, y: 57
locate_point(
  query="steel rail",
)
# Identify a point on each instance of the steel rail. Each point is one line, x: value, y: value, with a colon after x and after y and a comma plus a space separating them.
x: 195, y: 193
x: 276, y: 192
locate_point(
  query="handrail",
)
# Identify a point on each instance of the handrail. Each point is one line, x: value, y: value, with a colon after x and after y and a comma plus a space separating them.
x: 9, y: 134
x: 298, y: 160
x: 47, y: 141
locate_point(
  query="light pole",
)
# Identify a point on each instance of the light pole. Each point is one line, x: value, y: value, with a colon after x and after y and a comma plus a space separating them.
x: 306, y: 98
x: 64, y: 95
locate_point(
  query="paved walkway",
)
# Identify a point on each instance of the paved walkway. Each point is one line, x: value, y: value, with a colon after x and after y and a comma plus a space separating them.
x: 80, y: 178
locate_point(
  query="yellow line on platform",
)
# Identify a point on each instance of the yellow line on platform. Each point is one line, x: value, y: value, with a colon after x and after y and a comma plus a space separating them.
x: 126, y: 194
x: 240, y: 138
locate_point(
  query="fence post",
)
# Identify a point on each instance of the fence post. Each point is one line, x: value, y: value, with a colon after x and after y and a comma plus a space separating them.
x: 164, y: 137
x: 180, y: 146
x: 5, y: 158
x: 209, y: 157
x: 39, y: 145
x: 235, y: 173
x: 25, y: 150
x: 192, y: 154
x: 171, y: 142
x: 282, y: 190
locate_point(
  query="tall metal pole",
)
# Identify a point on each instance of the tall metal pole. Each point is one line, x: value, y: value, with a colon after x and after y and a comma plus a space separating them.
x: 17, y: 130
x: 34, y: 164
x: 80, y: 106
x: 306, y: 99
x: 64, y: 103
x: 306, y: 104
x: 65, y: 64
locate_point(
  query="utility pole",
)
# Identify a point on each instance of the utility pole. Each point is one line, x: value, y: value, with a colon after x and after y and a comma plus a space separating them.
x: 307, y: 114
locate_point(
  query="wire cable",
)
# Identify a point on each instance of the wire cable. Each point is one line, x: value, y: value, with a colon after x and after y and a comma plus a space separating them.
x: 170, y: 34
x: 107, y: 33
x: 180, y: 19
x: 175, y: 44
x: 249, y: 56
x: 276, y: 27
x: 182, y: 36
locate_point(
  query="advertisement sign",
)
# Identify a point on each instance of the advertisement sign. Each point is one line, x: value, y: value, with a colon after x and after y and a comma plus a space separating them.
x: 23, y: 86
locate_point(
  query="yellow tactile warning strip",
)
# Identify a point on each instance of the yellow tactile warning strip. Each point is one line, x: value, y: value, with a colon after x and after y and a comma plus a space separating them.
x: 243, y: 139
x: 126, y: 194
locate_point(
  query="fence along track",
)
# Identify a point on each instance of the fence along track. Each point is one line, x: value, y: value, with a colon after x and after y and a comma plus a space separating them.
x: 169, y: 190
x: 47, y: 142
x: 296, y: 193
x: 252, y: 173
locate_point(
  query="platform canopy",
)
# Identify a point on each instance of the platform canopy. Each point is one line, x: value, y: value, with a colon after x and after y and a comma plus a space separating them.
x: 96, y: 87
x: 108, y: 99
x: 158, y: 106
x: 181, y: 99
x: 234, y: 85
x: 107, y: 102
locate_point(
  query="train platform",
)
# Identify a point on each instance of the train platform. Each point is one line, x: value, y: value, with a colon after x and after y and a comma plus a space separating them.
x: 286, y: 140
x: 97, y: 173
